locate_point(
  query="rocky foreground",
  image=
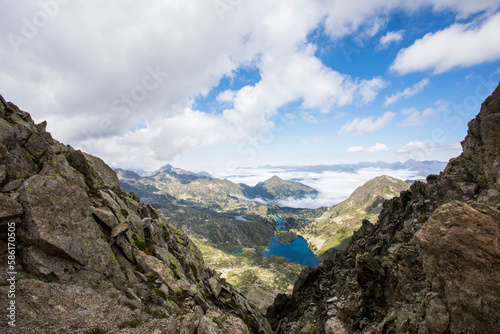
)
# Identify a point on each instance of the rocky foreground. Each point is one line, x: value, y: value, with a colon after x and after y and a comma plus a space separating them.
x: 431, y: 264
x: 89, y: 258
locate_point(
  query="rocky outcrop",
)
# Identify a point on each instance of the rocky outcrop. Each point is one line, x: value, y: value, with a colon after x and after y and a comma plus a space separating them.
x: 91, y: 257
x: 429, y: 265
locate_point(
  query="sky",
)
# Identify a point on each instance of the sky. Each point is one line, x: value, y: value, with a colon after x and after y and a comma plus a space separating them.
x: 220, y: 85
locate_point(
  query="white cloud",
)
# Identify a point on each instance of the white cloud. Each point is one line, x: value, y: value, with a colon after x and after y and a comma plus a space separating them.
x: 378, y: 147
x: 359, y: 126
x: 460, y: 45
x: 390, y: 37
x: 347, y: 17
x: 226, y: 96
x: 407, y: 93
x: 333, y: 187
x: 419, y: 146
x: 98, y: 60
x: 308, y: 117
x: 313, y: 140
x: 354, y: 149
x: 415, y: 117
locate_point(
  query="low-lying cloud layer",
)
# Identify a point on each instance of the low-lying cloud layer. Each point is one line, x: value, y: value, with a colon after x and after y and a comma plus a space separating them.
x: 333, y: 187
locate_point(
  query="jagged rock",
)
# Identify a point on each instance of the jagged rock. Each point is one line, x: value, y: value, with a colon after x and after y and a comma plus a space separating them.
x: 430, y: 264
x: 10, y: 209
x: 335, y: 326
x: 215, y: 286
x: 105, y: 173
x: 215, y: 322
x: 55, y: 220
x: 12, y: 186
x: 81, y: 240
x: 119, y: 229
x: 462, y: 264
x: 105, y: 215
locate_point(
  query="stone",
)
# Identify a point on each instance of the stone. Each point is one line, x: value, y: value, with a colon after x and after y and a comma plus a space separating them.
x: 105, y: 215
x: 4, y: 153
x: 12, y: 185
x: 119, y: 229
x: 214, y: 286
x: 10, y: 209
x: 462, y: 263
x: 96, y: 173
x: 56, y: 219
x: 335, y: 326
x: 216, y: 322
x: 105, y: 173
x: 152, y: 266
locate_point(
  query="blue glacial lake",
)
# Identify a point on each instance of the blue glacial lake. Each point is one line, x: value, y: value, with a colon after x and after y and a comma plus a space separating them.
x: 242, y: 218
x: 296, y: 251
x: 238, y: 251
x: 278, y: 219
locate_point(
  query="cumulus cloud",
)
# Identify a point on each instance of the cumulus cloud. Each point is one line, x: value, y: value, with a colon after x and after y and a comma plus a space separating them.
x: 419, y: 146
x: 347, y: 17
x: 407, y: 92
x: 95, y: 71
x: 460, y: 45
x: 378, y: 147
x: 359, y: 126
x: 415, y: 117
x: 390, y: 37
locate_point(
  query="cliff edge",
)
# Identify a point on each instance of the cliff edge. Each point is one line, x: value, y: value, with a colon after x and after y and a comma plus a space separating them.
x: 87, y: 257
x: 431, y: 263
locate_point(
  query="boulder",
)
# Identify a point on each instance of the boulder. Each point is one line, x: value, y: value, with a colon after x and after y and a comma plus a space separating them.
x: 10, y: 209
x: 462, y: 264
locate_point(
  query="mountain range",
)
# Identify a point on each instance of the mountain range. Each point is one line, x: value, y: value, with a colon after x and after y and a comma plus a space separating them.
x: 177, y: 186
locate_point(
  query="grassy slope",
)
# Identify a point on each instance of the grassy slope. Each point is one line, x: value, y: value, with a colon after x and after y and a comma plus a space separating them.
x: 338, y: 223
x: 260, y: 279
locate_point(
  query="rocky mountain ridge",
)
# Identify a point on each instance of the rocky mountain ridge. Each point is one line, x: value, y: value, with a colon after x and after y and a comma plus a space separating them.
x: 334, y: 226
x: 170, y: 185
x: 430, y: 264
x: 90, y: 257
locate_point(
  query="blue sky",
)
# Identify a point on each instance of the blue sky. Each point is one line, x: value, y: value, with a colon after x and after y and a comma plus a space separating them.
x: 218, y: 85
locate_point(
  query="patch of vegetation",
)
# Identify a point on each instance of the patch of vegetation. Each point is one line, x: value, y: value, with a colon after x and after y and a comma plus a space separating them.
x: 96, y: 330
x: 146, y: 247
x: 194, y: 270
x: 160, y: 293
x: 131, y: 307
x: 154, y: 313
x: 129, y: 324
x: 174, y: 270
x: 124, y: 213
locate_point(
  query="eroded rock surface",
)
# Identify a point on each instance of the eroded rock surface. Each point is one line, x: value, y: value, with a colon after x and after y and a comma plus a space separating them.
x: 90, y: 256
x: 429, y: 265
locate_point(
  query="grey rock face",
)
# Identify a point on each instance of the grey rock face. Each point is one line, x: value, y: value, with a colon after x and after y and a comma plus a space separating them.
x: 90, y: 256
x: 429, y: 265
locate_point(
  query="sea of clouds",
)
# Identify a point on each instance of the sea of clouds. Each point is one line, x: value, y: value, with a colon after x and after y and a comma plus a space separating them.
x: 333, y: 187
